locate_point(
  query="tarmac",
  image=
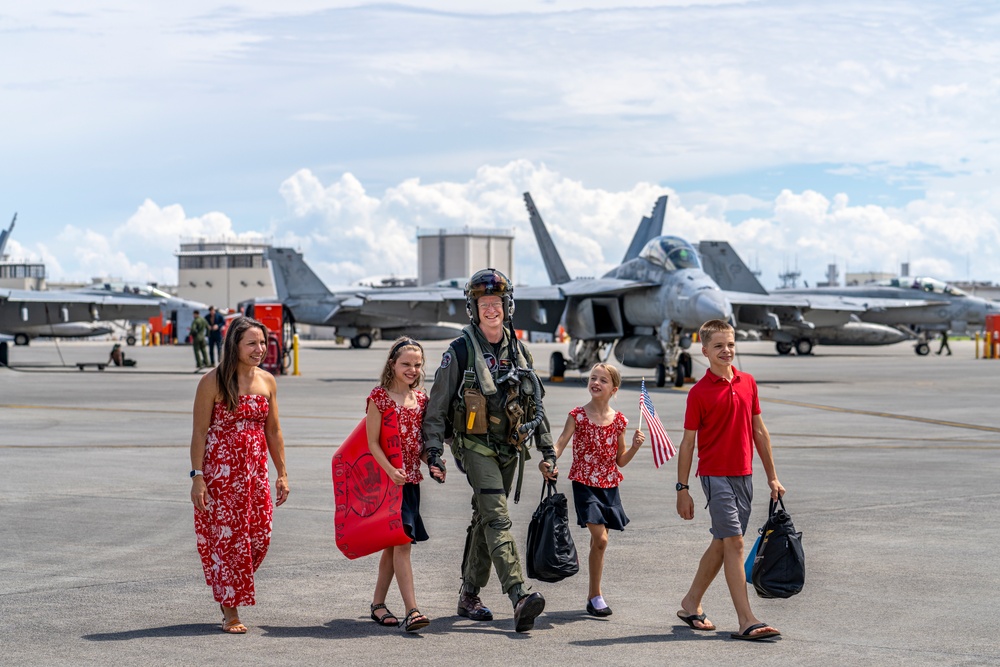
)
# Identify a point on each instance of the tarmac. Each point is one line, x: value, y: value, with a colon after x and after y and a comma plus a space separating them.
x: 890, y: 462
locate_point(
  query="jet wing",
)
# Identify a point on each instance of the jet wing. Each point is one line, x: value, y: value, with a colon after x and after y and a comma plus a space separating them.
x: 603, y: 286
x: 29, y: 307
x: 418, y: 295
x: 766, y: 300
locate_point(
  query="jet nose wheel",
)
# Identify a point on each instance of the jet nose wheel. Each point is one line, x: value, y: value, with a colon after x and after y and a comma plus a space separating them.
x: 922, y: 349
x: 803, y: 346
x: 783, y: 348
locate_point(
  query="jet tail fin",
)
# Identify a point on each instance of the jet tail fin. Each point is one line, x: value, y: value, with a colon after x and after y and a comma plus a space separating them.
x: 558, y: 274
x: 5, y: 234
x: 649, y: 228
x: 722, y: 263
x: 292, y: 276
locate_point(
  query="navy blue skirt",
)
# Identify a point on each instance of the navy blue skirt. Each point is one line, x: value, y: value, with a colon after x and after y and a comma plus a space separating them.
x: 410, y: 513
x: 597, y: 505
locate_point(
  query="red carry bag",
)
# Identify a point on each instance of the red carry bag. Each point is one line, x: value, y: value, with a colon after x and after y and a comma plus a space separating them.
x: 368, y: 504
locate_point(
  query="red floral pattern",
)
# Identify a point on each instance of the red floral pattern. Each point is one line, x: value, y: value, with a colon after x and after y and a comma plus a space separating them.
x: 595, y: 450
x: 411, y: 421
x: 235, y: 532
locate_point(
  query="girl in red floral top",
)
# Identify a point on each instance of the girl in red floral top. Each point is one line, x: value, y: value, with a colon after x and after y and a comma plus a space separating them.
x: 598, y: 433
x: 397, y: 390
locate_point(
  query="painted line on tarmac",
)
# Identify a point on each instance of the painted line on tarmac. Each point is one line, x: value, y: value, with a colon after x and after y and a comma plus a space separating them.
x: 62, y: 408
x: 884, y: 415
x: 867, y: 439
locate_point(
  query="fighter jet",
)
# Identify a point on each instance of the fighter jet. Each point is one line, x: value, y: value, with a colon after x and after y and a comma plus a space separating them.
x: 920, y: 304
x: 645, y: 309
x: 26, y: 314
x: 880, y: 314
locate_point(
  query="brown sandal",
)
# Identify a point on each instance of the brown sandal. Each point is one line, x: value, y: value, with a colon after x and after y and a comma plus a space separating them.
x: 232, y: 626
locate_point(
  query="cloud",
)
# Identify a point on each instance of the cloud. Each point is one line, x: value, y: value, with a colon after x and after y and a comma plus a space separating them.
x: 348, y: 234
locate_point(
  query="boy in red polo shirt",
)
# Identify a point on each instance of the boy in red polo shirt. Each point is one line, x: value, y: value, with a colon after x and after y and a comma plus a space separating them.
x: 724, y: 414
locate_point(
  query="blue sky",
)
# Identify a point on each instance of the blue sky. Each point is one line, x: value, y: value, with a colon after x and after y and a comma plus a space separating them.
x: 803, y: 132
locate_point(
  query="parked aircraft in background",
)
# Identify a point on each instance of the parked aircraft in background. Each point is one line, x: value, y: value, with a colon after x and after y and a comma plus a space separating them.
x: 645, y: 309
x: 27, y: 314
x: 833, y: 321
x: 886, y: 313
x: 923, y: 305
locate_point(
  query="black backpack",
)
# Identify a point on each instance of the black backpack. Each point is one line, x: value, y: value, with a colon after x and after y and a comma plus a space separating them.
x: 551, y: 554
x: 779, y: 570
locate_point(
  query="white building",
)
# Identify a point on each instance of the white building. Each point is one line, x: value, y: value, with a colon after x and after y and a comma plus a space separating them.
x: 22, y: 275
x: 223, y: 272
x: 456, y: 254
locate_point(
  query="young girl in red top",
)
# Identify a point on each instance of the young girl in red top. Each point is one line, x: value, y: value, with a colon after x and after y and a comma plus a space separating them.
x: 598, y: 433
x: 398, y: 390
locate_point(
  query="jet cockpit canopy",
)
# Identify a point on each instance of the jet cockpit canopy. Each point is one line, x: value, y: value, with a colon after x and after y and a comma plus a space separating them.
x: 671, y: 253
x: 932, y: 285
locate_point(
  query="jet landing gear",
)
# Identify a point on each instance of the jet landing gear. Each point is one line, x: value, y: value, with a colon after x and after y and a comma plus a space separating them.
x: 681, y: 373
x: 362, y: 341
x: 802, y: 347
x: 583, y: 354
x: 557, y: 366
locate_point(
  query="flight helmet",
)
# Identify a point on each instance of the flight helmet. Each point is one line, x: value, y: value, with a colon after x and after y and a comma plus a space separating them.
x: 488, y: 282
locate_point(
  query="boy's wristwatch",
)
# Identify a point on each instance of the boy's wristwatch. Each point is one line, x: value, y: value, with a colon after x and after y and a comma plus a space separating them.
x: 681, y: 487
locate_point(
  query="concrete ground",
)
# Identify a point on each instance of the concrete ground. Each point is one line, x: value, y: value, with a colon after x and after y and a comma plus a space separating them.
x: 890, y: 461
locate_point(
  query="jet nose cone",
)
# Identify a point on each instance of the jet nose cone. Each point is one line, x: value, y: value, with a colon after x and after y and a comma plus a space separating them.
x: 712, y: 305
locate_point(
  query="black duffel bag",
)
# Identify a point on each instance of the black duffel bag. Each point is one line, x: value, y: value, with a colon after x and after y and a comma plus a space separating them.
x: 779, y: 570
x: 550, y: 553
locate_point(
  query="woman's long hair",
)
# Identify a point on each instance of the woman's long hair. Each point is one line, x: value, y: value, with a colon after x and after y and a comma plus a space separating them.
x: 399, y: 346
x: 225, y: 374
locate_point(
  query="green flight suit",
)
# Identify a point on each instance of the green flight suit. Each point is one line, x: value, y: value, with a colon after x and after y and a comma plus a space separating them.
x: 199, y: 334
x: 490, y: 463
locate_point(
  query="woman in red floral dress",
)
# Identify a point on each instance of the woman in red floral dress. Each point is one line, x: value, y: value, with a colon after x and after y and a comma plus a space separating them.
x: 235, y: 427
x: 598, y: 433
x: 398, y: 390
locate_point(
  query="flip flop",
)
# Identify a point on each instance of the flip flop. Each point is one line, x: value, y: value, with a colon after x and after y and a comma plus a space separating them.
x: 760, y: 635
x: 691, y: 618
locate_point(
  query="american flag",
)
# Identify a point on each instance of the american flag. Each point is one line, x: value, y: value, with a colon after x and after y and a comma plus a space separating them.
x: 662, y: 448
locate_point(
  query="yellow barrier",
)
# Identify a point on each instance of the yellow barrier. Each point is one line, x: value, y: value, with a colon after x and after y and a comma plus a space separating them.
x: 295, y: 355
x: 145, y: 333
x: 977, y: 345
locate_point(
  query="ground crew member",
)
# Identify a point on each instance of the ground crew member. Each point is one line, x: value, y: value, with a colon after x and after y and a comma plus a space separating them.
x: 199, y: 332
x: 487, y: 400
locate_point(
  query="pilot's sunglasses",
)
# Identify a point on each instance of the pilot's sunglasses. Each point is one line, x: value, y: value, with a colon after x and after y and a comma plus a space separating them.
x: 491, y: 306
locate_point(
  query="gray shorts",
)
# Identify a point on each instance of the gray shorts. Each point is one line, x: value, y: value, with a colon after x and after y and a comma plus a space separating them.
x: 729, y: 500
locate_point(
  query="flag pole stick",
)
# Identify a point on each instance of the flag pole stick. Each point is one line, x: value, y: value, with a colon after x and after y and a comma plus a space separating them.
x: 640, y: 411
